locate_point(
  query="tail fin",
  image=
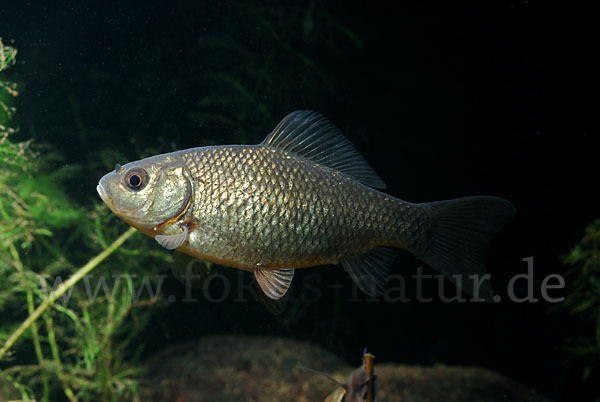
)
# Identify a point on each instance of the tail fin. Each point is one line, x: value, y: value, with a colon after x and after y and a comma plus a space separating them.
x: 458, y: 232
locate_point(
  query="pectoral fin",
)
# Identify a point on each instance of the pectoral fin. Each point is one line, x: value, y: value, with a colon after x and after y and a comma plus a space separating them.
x: 171, y: 242
x: 274, y: 282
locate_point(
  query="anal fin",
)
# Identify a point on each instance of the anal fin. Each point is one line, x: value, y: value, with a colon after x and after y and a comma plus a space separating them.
x: 370, y: 270
x: 274, y: 282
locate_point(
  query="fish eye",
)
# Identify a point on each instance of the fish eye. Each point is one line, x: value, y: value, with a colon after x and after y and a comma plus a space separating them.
x: 136, y: 178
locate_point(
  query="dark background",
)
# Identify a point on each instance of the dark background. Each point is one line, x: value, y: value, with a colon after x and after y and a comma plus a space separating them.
x: 444, y: 99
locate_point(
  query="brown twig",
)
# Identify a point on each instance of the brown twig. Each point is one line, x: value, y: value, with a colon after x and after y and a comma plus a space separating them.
x: 369, y: 358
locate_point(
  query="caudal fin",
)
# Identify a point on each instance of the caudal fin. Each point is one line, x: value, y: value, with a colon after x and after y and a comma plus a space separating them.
x: 458, y: 232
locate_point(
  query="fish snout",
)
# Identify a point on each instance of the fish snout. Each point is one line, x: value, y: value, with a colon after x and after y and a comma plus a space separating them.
x: 102, y: 192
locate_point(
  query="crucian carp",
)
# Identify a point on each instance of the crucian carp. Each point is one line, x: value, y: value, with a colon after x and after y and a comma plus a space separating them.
x: 301, y: 198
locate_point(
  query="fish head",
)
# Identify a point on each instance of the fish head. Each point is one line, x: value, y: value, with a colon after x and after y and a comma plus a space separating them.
x: 148, y: 193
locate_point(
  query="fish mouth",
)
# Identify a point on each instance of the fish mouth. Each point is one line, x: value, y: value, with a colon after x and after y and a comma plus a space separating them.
x: 102, y: 192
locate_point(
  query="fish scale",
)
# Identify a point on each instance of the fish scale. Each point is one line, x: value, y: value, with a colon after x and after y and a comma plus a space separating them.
x: 298, y: 213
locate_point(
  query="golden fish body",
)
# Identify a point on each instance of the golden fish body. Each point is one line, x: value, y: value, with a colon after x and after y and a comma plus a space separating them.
x: 257, y: 206
x: 303, y: 197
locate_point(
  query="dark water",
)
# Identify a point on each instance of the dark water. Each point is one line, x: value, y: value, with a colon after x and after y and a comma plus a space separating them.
x: 444, y: 99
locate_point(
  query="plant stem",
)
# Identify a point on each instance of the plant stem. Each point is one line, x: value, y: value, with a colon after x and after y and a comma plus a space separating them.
x: 63, y: 287
x: 56, y: 357
x: 34, y: 331
x: 107, y: 350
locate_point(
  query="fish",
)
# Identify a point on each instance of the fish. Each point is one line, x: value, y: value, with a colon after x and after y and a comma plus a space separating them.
x: 301, y: 198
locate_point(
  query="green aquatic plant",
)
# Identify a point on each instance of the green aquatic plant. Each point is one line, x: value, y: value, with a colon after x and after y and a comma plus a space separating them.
x: 8, y: 55
x: 8, y: 89
x: 82, y: 336
x: 583, y: 302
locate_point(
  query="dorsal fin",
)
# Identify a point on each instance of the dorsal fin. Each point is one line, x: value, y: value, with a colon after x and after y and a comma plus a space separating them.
x: 312, y: 136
